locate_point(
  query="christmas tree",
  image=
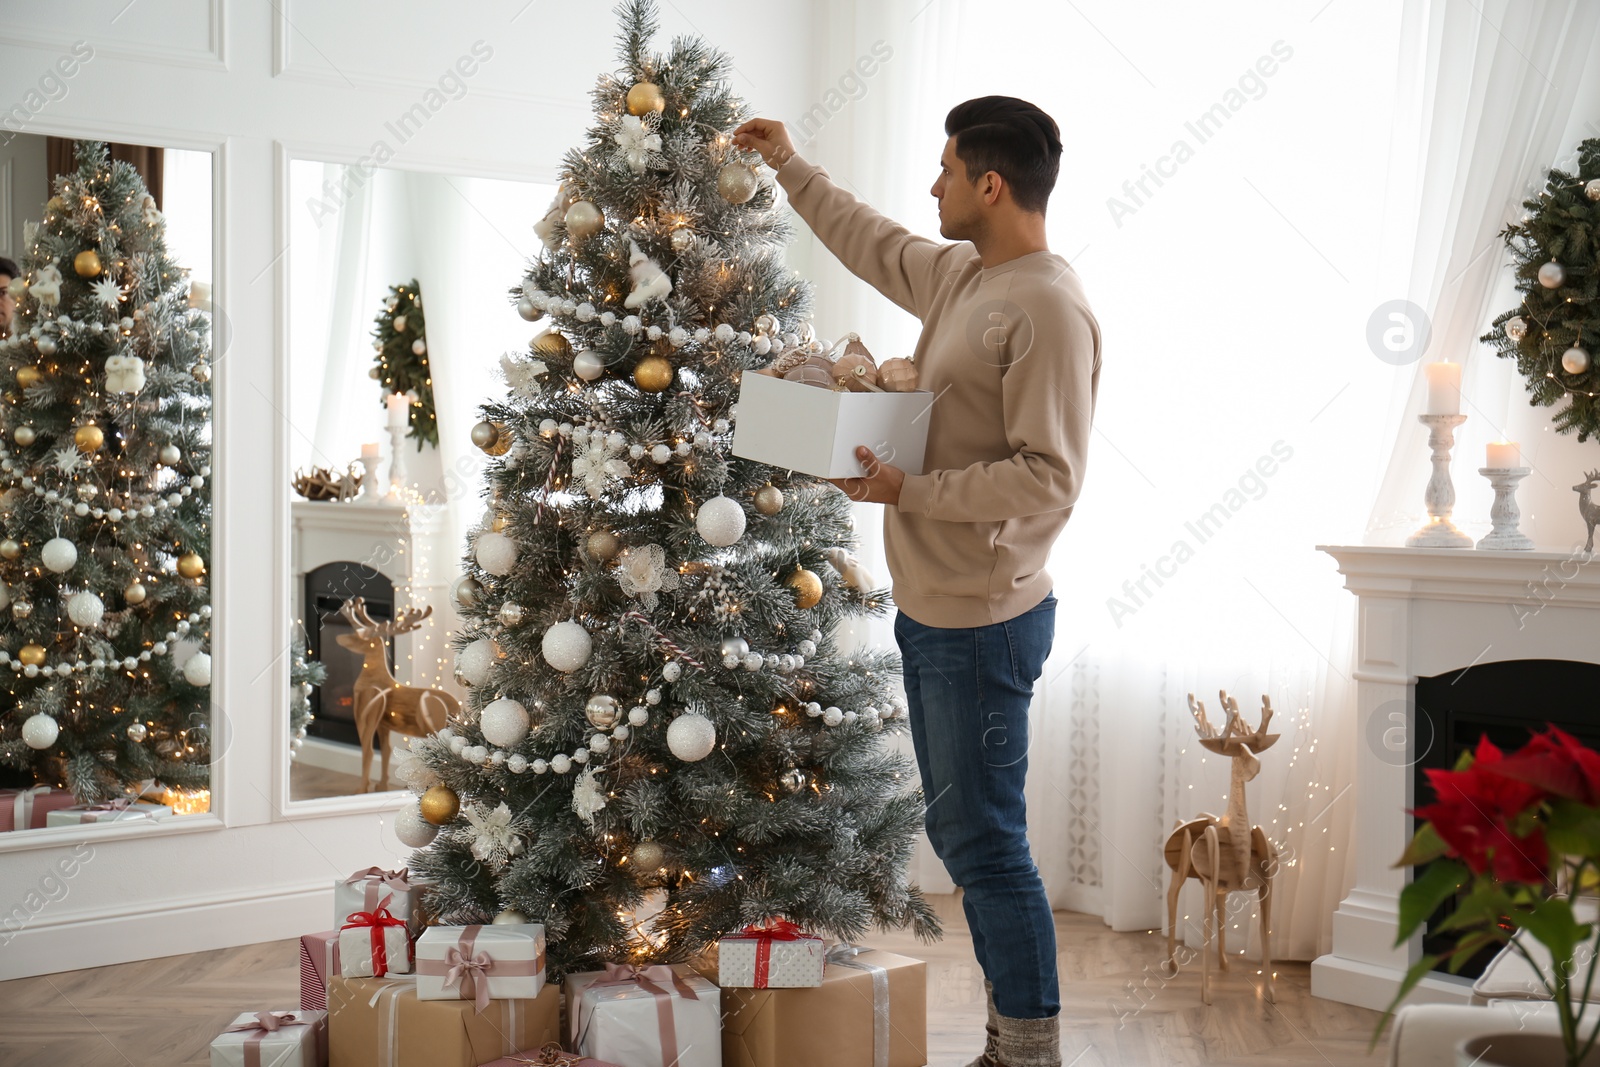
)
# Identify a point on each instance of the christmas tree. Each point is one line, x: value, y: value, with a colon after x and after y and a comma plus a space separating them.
x: 105, y: 452
x: 664, y: 740
x: 400, y: 338
x: 1556, y: 250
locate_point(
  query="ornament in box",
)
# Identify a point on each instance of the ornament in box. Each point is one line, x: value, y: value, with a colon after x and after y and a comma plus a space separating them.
x: 627, y: 1014
x: 381, y: 1023
x: 319, y: 961
x: 503, y: 961
x: 772, y: 955
x: 898, y: 375
x: 373, y: 944
x: 376, y: 888
x: 275, y: 1038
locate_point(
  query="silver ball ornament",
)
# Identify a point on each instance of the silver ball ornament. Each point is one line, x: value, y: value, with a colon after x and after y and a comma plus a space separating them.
x: 511, y: 614
x: 1551, y: 275
x: 735, y: 647
x: 25, y: 435
x: 137, y: 732
x: 170, y: 455
x: 468, y: 591
x: 793, y: 780
x: 602, y: 711
x: 583, y: 219
x: 1591, y: 189
x: 588, y: 365
x: 737, y: 182
x: 1516, y: 328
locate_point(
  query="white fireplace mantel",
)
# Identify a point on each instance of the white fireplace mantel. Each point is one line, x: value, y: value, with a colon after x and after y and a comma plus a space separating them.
x: 1423, y: 612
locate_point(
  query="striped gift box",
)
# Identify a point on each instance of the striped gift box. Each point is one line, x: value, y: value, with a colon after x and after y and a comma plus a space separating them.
x: 319, y: 960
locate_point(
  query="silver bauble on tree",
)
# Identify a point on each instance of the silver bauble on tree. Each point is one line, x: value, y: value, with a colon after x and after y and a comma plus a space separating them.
x: 1551, y: 275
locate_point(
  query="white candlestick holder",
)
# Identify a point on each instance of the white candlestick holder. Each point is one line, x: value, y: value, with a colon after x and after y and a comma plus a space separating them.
x: 1440, y: 496
x: 1505, y: 514
x: 369, y: 480
x: 397, y: 463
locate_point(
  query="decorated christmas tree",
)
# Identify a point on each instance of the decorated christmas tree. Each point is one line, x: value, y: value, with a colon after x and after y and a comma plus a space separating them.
x: 400, y: 338
x: 1551, y: 333
x: 664, y: 739
x: 105, y: 452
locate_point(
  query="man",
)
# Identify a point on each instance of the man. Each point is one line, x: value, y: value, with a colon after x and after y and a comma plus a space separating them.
x: 1011, y: 353
x: 8, y: 303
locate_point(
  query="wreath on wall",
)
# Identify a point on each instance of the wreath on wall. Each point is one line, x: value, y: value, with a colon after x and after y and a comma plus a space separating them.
x: 1552, y: 333
x: 401, y: 341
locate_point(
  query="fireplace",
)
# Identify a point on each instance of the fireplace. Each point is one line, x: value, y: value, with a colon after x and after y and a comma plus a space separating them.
x: 1508, y: 701
x: 326, y: 590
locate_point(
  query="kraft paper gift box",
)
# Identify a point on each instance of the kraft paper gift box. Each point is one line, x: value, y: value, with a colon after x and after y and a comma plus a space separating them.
x: 479, y: 963
x: 319, y: 961
x: 776, y: 955
x: 374, y: 944
x: 816, y: 431
x: 552, y: 1055
x: 376, y: 888
x: 114, y: 811
x: 27, y: 809
x: 645, y: 1016
x: 379, y: 1022
x: 273, y: 1039
x: 871, y: 1010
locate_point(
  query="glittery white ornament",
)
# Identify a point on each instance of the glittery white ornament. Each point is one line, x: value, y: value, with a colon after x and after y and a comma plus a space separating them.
x: 475, y: 660
x: 691, y: 737
x: 566, y: 646
x: 58, y: 555
x: 85, y: 610
x: 504, y: 722
x: 496, y: 553
x: 40, y: 731
x: 411, y: 828
x: 197, y: 669
x: 720, y: 521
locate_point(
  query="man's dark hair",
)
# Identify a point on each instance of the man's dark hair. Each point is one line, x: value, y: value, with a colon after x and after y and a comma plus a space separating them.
x: 8, y: 267
x: 1012, y: 138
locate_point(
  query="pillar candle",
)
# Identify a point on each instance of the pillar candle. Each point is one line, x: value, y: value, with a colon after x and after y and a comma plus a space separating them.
x: 369, y: 450
x: 399, y: 405
x: 1444, y: 388
x: 1503, y: 455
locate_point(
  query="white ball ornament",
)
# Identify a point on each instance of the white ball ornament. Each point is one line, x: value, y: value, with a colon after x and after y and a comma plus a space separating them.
x: 170, y: 455
x: 1516, y: 328
x: 691, y: 737
x: 419, y: 346
x: 40, y: 731
x: 671, y: 670
x: 1591, y: 189
x: 638, y: 715
x: 1551, y: 275
x: 85, y: 610
x: 58, y: 555
x: 566, y: 646
x: 197, y: 669
x: 411, y: 828
x: 504, y: 722
x: 1575, y: 360
x: 516, y: 763
x: 660, y: 453
x: 475, y: 660
x: 496, y: 553
x: 561, y: 763
x: 399, y: 324
x: 720, y: 521
x: 588, y: 365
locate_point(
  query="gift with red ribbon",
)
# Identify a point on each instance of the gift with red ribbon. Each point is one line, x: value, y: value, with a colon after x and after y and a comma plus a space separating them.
x: 480, y: 963
x: 27, y: 809
x: 375, y: 887
x: 773, y: 955
x: 644, y: 1016
x: 373, y: 944
x: 273, y: 1039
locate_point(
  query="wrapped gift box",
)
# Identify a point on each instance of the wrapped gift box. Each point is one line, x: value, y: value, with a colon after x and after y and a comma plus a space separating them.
x: 374, y: 944
x: 319, y: 961
x: 817, y: 431
x: 115, y: 811
x: 630, y: 1015
x: 478, y: 963
x: 867, y: 1000
x: 379, y: 1022
x: 551, y: 1055
x: 376, y: 888
x: 273, y: 1039
x: 777, y: 955
x: 27, y: 809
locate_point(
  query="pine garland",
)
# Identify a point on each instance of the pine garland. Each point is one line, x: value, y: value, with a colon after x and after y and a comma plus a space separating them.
x: 1562, y: 227
x: 402, y: 359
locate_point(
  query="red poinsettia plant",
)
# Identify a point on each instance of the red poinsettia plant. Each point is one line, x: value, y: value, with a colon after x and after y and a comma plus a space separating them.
x: 1513, y: 831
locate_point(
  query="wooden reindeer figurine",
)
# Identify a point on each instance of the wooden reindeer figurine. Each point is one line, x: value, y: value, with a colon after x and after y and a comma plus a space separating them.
x: 1226, y: 854
x: 1589, y: 511
x: 379, y: 701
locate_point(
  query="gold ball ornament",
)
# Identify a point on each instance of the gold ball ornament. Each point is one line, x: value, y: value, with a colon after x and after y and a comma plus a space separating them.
x: 807, y: 588
x: 653, y: 374
x: 31, y: 655
x: 89, y: 438
x: 87, y: 263
x: 24, y: 435
x: 647, y: 856
x: 583, y: 220
x: 644, y: 98
x: 493, y: 437
x: 737, y: 182
x: 9, y: 549
x: 604, y: 545
x: 135, y: 593
x: 29, y: 376
x: 190, y: 565
x: 440, y: 804
x: 551, y: 345
x: 769, y: 500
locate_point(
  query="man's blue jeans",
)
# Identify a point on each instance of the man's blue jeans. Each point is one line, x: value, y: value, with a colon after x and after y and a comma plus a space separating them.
x: 969, y: 691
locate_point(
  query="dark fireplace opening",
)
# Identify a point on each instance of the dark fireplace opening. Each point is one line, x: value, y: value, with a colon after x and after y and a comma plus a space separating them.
x: 327, y: 589
x: 1509, y: 702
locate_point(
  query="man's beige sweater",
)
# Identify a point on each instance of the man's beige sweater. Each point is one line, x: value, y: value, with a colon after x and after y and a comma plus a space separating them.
x: 1011, y: 356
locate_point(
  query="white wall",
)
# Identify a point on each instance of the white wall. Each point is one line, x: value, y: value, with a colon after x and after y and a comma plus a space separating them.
x: 258, y: 83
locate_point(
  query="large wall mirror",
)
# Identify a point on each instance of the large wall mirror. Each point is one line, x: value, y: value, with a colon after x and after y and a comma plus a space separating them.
x: 398, y: 317
x: 107, y: 342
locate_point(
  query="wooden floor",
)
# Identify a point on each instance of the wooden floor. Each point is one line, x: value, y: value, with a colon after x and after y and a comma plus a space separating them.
x: 163, y: 1013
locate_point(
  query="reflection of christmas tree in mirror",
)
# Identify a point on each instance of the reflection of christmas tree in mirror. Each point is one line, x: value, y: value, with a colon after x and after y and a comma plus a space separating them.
x: 105, y: 457
x: 664, y: 739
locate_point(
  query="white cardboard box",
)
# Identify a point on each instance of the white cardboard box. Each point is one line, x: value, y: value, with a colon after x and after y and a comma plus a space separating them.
x: 816, y: 431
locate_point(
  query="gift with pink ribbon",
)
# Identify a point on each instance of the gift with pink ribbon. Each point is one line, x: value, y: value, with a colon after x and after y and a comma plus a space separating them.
x: 122, y: 809
x: 776, y: 954
x: 373, y: 888
x: 319, y: 961
x: 552, y: 1055
x: 27, y: 809
x: 273, y: 1039
x: 643, y: 1016
x: 373, y: 944
x: 481, y: 963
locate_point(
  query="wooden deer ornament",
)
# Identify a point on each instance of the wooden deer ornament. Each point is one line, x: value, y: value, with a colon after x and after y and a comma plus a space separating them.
x: 1226, y: 854
x: 379, y: 701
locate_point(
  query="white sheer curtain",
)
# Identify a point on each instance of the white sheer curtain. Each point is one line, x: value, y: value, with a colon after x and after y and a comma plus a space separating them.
x: 1237, y: 423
